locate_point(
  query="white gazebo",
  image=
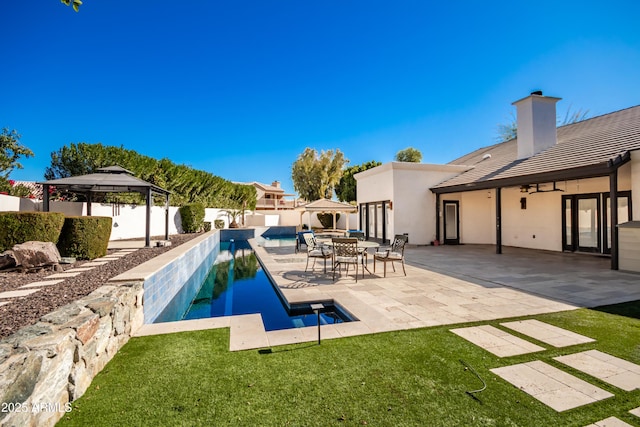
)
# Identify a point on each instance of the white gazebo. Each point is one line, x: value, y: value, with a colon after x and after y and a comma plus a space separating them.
x: 327, y: 206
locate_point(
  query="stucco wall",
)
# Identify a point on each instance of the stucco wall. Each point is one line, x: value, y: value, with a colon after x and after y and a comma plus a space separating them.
x: 407, y: 186
x: 477, y: 216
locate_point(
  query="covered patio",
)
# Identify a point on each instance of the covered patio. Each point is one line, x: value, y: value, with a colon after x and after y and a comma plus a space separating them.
x: 327, y: 206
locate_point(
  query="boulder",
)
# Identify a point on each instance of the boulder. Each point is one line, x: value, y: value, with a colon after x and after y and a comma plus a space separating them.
x: 7, y: 260
x: 36, y: 254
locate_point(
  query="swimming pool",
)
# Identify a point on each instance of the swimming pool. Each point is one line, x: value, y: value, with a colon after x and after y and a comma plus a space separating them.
x: 236, y: 284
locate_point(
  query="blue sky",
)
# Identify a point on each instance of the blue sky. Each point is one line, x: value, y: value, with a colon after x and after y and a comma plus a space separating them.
x: 240, y: 89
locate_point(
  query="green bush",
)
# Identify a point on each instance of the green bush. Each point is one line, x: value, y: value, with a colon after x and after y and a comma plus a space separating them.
x: 20, y: 227
x: 326, y: 219
x: 207, y: 226
x: 192, y: 217
x: 85, y: 237
x: 219, y: 224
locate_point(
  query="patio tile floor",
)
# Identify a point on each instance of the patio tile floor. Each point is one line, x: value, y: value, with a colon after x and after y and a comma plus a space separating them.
x: 610, y: 422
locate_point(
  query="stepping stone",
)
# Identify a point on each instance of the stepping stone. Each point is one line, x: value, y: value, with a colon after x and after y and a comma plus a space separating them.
x: 555, y: 388
x: 546, y: 333
x: 615, y: 371
x: 80, y: 269
x: 498, y: 342
x: 94, y: 264
x: 610, y: 422
x: 17, y: 293
x: 635, y: 412
x: 63, y: 275
x: 42, y: 283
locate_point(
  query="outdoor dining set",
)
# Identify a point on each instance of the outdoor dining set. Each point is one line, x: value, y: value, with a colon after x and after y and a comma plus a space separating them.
x: 351, y: 250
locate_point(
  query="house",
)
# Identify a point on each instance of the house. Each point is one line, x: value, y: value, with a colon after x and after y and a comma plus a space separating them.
x: 550, y: 188
x: 271, y: 197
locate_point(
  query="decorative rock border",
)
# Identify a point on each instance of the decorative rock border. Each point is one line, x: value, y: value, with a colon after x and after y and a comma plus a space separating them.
x: 46, y: 366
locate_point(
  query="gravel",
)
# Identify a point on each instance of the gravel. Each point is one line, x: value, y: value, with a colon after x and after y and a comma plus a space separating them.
x: 25, y: 311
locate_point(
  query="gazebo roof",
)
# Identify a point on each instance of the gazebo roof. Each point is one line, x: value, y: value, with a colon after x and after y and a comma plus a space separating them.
x: 326, y: 205
x: 112, y: 179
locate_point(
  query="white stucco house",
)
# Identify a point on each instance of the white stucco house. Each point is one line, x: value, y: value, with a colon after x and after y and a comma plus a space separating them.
x: 550, y: 188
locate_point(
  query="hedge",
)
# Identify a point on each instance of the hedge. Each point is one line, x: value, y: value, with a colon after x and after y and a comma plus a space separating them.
x: 192, y: 217
x: 20, y: 227
x: 85, y: 237
x: 326, y: 219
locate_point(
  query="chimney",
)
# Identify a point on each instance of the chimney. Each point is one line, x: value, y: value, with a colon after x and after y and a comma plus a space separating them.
x: 536, y: 115
x: 275, y: 184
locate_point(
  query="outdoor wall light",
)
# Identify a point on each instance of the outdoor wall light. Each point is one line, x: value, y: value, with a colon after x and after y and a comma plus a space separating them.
x: 524, y: 188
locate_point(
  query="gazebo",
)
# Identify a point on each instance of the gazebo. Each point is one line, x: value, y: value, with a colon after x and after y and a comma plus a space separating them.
x: 112, y: 179
x: 326, y: 205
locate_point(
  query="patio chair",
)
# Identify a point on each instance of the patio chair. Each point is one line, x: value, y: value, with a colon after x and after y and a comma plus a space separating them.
x: 392, y: 254
x: 345, y: 251
x: 357, y: 234
x: 316, y: 250
x: 300, y: 239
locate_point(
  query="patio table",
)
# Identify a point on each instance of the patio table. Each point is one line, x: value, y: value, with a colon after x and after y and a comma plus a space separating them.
x: 366, y: 244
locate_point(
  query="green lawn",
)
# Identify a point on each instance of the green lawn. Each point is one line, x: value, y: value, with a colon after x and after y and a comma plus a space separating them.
x: 406, y: 378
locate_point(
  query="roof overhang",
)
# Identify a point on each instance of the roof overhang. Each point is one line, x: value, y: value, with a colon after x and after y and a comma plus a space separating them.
x: 583, y: 172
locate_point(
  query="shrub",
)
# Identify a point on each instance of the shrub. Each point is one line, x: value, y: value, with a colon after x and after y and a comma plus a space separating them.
x: 20, y: 227
x: 192, y: 217
x: 219, y: 224
x: 85, y: 237
x: 326, y: 219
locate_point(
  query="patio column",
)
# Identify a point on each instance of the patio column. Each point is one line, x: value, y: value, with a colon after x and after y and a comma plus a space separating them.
x: 613, y: 200
x: 498, y: 220
x: 438, y: 217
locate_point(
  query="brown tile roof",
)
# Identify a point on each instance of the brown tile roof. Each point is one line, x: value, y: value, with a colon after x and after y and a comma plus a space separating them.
x: 590, y: 143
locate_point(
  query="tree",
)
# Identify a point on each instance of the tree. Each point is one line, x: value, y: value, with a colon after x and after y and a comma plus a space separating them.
x: 409, y: 154
x: 346, y: 188
x: 509, y: 131
x: 316, y: 175
x: 187, y: 185
x: 10, y: 152
x: 75, y: 3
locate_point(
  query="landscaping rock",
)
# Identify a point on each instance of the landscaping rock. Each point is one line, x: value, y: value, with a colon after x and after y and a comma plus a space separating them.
x: 7, y: 260
x: 36, y: 254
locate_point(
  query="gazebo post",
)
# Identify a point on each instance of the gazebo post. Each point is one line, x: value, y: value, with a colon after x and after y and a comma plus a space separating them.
x: 166, y: 218
x: 89, y: 199
x: 45, y: 197
x: 147, y: 238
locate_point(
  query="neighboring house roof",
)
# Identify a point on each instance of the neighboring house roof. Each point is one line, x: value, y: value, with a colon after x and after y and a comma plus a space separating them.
x: 267, y: 188
x: 36, y: 189
x: 324, y: 205
x: 589, y: 148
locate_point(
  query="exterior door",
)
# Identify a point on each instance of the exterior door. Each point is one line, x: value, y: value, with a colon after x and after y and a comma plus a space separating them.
x: 624, y: 215
x: 582, y: 222
x: 451, y: 222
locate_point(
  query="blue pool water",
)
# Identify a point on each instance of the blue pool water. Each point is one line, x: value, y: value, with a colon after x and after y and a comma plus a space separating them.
x: 237, y: 284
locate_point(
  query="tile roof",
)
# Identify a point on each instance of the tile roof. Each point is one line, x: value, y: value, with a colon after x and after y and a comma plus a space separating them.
x: 588, y: 143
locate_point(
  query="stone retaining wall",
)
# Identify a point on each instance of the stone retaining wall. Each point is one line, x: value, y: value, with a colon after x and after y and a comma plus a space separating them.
x: 46, y: 366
